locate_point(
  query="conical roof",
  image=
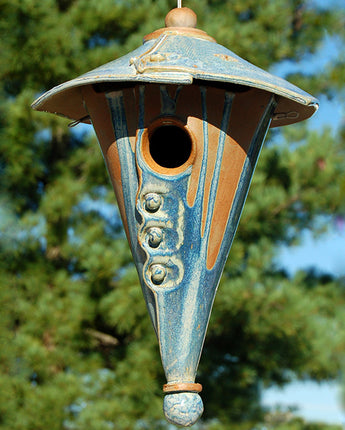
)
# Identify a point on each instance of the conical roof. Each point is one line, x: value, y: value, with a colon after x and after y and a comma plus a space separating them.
x: 180, y: 55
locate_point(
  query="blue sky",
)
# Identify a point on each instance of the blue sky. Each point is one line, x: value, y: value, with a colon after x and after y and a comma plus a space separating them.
x: 314, y: 402
x: 326, y: 253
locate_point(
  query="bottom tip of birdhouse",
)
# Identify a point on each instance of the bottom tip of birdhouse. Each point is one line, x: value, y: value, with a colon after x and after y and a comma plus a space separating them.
x: 183, y: 409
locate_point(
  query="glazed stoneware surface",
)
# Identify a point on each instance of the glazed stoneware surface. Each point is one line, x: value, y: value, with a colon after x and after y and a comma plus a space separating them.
x: 180, y: 58
x: 180, y: 121
x: 180, y: 159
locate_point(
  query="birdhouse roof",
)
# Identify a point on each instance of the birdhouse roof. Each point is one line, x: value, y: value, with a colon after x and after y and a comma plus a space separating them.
x: 172, y: 56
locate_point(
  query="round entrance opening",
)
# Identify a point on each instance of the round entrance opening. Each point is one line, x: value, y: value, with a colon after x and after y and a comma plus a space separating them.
x: 170, y: 146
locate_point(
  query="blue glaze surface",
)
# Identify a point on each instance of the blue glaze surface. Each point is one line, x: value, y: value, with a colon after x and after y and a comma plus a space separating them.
x: 183, y: 409
x: 181, y: 59
x: 178, y: 287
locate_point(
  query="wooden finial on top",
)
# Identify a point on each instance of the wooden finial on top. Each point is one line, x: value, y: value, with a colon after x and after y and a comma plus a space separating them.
x: 181, y: 17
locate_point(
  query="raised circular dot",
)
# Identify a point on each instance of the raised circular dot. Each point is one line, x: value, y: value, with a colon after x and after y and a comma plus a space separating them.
x: 158, y: 273
x: 153, y: 202
x: 154, y: 237
x: 183, y: 409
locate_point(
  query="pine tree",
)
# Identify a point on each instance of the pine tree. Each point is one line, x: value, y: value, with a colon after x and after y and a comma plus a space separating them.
x: 77, y: 347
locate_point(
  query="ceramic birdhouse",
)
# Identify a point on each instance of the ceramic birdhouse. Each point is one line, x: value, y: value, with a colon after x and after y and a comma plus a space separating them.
x: 181, y: 122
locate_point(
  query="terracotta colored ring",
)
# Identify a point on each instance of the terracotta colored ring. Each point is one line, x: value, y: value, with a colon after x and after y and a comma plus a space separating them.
x: 160, y: 122
x: 182, y: 387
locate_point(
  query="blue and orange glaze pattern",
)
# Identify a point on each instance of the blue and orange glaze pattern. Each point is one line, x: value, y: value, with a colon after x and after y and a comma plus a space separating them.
x: 181, y: 221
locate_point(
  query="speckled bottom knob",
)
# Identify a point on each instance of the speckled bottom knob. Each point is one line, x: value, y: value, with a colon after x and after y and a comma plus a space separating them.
x: 183, y: 409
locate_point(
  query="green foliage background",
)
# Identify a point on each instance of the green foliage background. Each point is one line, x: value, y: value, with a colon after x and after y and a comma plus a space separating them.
x: 77, y: 349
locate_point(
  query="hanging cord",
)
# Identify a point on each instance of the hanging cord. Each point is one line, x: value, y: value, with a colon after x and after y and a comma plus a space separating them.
x: 179, y: 3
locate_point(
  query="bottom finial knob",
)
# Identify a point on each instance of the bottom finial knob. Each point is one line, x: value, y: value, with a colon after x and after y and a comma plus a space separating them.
x: 183, y: 409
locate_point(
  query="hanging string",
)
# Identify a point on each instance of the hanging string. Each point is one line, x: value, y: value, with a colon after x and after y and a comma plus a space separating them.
x: 179, y: 3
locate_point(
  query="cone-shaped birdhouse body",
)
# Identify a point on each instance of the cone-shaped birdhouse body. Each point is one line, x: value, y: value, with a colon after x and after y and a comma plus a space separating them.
x: 181, y: 121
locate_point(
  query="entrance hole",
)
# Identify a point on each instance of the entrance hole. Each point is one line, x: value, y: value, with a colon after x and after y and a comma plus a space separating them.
x: 170, y: 146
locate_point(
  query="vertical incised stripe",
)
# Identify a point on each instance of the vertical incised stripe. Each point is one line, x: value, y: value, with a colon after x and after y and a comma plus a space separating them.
x: 217, y: 168
x: 99, y: 112
x: 131, y: 114
x: 261, y: 132
x: 140, y: 131
x: 208, y: 163
x: 196, y: 186
x: 245, y: 176
x: 213, y: 131
x: 232, y: 165
x: 126, y: 157
x: 236, y: 171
